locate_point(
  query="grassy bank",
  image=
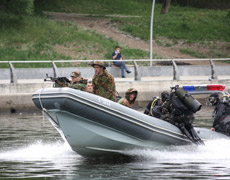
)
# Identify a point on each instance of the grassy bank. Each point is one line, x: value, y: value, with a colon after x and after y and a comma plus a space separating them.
x: 207, y: 29
x: 40, y: 38
x: 198, y: 32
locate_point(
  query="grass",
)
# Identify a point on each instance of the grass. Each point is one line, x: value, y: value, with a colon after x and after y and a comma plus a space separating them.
x: 193, y: 53
x: 37, y: 37
x: 99, y: 7
x: 187, y: 24
x: 181, y: 23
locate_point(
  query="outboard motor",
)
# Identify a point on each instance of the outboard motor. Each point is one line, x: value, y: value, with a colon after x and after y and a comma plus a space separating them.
x: 191, y: 103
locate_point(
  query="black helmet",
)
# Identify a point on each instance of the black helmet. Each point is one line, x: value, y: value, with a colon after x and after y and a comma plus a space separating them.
x: 164, y: 96
x: 213, y: 99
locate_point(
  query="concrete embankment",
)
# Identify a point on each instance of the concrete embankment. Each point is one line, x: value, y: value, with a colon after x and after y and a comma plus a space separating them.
x: 18, y: 96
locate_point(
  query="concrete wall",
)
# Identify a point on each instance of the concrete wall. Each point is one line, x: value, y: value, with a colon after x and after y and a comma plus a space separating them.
x: 19, y: 96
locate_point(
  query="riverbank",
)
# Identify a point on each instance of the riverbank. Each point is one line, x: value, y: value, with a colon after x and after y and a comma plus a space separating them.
x: 18, y: 97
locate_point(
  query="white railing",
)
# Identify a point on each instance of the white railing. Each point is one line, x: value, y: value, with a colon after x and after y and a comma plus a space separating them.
x: 13, y: 78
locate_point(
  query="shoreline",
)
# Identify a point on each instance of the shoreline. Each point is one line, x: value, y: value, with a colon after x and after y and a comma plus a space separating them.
x: 18, y: 97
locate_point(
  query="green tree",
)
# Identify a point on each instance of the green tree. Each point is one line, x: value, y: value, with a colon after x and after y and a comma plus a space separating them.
x: 20, y: 7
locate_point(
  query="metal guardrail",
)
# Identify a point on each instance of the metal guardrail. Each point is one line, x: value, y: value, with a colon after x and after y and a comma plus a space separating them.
x: 13, y: 78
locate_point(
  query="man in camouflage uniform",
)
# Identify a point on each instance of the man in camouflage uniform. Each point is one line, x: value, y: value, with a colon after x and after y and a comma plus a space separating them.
x: 103, y: 82
x: 78, y: 82
x: 129, y: 99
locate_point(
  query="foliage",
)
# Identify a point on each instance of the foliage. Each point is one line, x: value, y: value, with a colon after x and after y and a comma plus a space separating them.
x: 214, y: 4
x: 101, y: 7
x: 21, y: 7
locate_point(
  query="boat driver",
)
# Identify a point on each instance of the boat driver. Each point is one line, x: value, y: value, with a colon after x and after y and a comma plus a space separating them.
x: 221, y: 113
x: 78, y: 82
x: 130, y: 97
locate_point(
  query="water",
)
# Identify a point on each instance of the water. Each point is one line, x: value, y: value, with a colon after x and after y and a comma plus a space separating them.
x: 30, y: 148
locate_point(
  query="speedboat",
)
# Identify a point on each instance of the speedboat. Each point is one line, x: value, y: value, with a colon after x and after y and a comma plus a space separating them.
x: 97, y: 127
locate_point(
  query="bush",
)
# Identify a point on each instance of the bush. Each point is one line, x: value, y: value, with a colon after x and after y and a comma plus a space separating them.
x: 21, y: 7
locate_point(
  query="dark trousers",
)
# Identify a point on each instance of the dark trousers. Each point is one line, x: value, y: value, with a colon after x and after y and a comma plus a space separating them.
x: 122, y: 65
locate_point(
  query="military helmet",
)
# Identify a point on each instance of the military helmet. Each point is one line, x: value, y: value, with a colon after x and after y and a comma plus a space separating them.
x: 99, y: 63
x: 76, y: 74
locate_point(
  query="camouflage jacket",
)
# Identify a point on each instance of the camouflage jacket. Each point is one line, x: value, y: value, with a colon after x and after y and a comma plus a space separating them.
x: 81, y: 85
x: 104, y: 85
x: 125, y: 102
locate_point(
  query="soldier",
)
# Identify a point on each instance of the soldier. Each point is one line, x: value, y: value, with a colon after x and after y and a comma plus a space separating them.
x: 78, y: 82
x: 179, y: 110
x: 221, y: 114
x: 129, y: 99
x: 154, y: 108
x: 103, y: 82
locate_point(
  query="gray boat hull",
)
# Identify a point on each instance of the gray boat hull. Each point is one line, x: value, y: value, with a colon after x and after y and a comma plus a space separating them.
x: 95, y: 126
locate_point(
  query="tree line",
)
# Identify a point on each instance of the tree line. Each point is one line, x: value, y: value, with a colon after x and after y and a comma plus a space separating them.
x: 26, y: 7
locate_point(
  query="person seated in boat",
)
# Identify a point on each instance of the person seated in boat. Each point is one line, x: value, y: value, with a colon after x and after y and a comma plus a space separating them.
x: 103, y: 82
x: 179, y: 110
x: 154, y: 106
x: 90, y: 86
x: 130, y: 97
x: 78, y: 82
x: 221, y: 113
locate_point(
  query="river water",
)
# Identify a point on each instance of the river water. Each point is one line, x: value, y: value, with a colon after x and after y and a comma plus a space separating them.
x: 30, y: 148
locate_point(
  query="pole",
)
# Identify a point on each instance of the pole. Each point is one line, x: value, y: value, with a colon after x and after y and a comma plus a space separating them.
x: 151, y: 34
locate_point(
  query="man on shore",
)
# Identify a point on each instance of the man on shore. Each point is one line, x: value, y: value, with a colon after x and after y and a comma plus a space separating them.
x: 103, y: 82
x: 117, y: 56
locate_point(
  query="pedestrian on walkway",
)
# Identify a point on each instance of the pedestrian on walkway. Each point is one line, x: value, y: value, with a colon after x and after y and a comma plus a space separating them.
x: 117, y: 56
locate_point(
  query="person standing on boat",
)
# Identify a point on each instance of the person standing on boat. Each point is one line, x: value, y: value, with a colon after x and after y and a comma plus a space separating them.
x: 129, y: 99
x: 78, y: 82
x: 221, y: 114
x: 117, y: 56
x: 103, y: 82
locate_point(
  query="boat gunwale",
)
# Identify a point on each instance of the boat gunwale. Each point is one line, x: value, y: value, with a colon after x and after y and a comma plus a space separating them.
x: 122, y: 115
